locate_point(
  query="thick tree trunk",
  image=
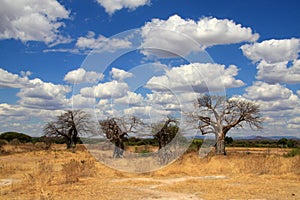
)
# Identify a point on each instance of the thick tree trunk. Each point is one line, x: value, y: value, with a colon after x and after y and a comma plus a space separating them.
x: 220, y: 145
x: 69, y: 143
x: 119, y: 149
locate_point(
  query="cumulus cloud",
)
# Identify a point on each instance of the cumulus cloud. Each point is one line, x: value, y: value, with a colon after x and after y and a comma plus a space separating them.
x: 9, y: 80
x: 198, y: 77
x: 280, y: 106
x: 78, y: 102
x: 279, y: 72
x: 267, y: 92
x: 148, y: 113
x: 113, y: 89
x: 81, y: 76
x: 177, y: 35
x: 130, y: 99
x: 272, y: 97
x: 273, y: 51
x: 277, y: 60
x: 43, y: 95
x: 91, y: 42
x: 9, y: 111
x: 119, y: 74
x: 112, y: 6
x: 32, y: 20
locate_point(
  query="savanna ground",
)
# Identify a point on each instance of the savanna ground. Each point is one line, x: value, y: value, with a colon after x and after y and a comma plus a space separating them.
x: 256, y: 173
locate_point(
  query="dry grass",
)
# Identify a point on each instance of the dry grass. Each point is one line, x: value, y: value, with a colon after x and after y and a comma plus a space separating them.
x: 61, y: 174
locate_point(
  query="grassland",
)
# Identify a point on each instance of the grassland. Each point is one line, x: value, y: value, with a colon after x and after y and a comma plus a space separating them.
x: 245, y: 173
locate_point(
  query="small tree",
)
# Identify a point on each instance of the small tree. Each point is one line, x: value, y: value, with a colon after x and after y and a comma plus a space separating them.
x: 228, y: 140
x: 69, y: 125
x: 165, y: 133
x: 116, y: 130
x: 217, y: 115
x: 282, y: 142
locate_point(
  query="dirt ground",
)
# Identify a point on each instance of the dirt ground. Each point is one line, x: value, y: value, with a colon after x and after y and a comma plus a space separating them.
x: 61, y: 174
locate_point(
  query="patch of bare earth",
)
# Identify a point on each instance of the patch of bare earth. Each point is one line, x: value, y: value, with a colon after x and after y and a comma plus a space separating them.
x: 243, y: 175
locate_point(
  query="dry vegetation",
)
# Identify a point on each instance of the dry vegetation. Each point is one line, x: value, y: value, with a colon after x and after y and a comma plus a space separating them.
x: 29, y: 173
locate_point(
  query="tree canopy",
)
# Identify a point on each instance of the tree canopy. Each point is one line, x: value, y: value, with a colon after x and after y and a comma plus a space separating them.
x: 69, y: 125
x: 217, y: 115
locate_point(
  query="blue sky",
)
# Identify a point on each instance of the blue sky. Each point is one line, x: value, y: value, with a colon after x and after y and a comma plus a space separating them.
x: 44, y: 49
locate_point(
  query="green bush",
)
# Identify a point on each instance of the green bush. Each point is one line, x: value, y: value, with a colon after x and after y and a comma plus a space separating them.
x: 292, y: 153
x: 9, y: 136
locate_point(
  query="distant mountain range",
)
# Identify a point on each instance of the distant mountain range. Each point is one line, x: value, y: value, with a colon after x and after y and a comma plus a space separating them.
x: 256, y: 137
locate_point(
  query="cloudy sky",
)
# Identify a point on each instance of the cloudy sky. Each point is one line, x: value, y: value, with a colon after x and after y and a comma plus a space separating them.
x: 150, y: 58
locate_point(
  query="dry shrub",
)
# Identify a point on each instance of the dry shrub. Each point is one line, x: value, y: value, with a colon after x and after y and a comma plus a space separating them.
x: 75, y: 169
x: 42, y: 175
x: 233, y: 164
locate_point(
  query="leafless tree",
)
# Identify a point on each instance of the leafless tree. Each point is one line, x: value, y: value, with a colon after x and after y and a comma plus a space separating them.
x: 116, y: 130
x: 69, y: 125
x: 217, y: 115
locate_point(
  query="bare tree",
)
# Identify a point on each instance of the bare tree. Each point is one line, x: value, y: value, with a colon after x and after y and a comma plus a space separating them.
x: 116, y: 130
x: 69, y: 125
x: 217, y: 115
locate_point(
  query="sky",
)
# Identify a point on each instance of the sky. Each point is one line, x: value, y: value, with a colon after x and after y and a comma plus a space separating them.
x: 149, y: 58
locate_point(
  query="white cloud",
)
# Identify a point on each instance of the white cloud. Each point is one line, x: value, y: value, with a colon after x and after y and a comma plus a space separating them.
x: 113, y: 89
x: 78, y: 102
x: 112, y: 6
x: 44, y: 95
x: 161, y: 98
x: 273, y: 51
x: 279, y: 106
x: 298, y: 92
x: 8, y: 112
x: 272, y: 97
x: 131, y: 99
x: 198, y: 77
x: 267, y: 92
x: 32, y: 20
x: 177, y: 35
x: 279, y: 72
x: 90, y: 42
x: 9, y: 80
x: 277, y: 60
x: 119, y: 74
x: 148, y: 113
x: 81, y: 76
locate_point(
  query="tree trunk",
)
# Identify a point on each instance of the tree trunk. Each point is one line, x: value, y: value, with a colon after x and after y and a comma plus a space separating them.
x: 220, y: 145
x: 69, y: 144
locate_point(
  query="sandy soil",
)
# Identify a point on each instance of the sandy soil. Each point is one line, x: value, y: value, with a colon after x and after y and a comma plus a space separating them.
x: 243, y: 175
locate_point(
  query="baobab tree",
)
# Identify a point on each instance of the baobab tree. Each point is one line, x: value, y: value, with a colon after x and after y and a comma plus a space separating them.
x: 165, y: 133
x: 69, y: 125
x: 217, y: 115
x: 116, y: 131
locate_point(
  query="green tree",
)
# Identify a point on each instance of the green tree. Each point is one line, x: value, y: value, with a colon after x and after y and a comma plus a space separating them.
x: 282, y: 142
x: 228, y: 140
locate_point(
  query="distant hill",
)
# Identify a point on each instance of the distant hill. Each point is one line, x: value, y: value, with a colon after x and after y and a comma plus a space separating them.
x: 255, y: 137
x: 9, y: 136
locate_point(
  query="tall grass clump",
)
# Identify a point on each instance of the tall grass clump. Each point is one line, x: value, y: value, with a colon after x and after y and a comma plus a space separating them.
x: 75, y: 169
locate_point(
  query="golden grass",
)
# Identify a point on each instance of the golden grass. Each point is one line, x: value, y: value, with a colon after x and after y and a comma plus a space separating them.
x: 61, y: 174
